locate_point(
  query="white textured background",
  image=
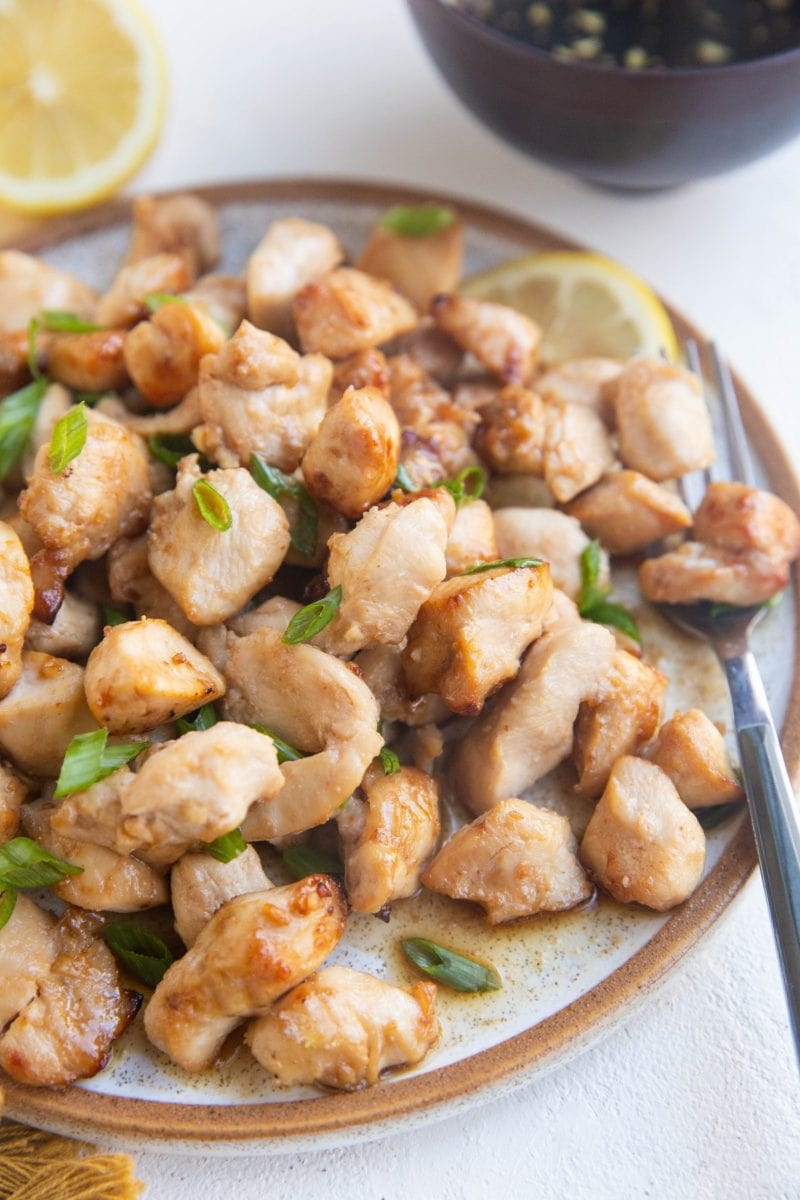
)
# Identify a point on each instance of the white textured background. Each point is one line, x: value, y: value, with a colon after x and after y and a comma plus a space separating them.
x: 696, y: 1098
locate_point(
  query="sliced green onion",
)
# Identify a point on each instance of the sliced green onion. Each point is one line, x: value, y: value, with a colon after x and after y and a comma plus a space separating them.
x: 501, y: 563
x: 445, y: 966
x: 604, y: 612
x: 199, y: 720
x: 285, y: 752
x: 313, y: 618
x: 276, y: 484
x: 68, y: 438
x: 116, y: 616
x: 303, y: 860
x: 18, y: 414
x: 170, y: 448
x: 157, y: 300
x: 467, y: 485
x: 58, y: 321
x: 715, y: 814
x: 417, y: 220
x: 8, y: 900
x: 212, y: 505
x: 144, y: 954
x: 89, y: 759
x: 227, y: 846
x: 593, y: 602
x: 389, y: 761
x: 404, y: 481
x: 34, y: 325
x: 26, y: 864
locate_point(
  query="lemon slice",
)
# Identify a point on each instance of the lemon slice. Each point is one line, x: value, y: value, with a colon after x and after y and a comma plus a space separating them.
x: 82, y: 92
x: 585, y: 304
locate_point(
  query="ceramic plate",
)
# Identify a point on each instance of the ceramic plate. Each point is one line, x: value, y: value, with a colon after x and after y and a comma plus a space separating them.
x: 567, y: 979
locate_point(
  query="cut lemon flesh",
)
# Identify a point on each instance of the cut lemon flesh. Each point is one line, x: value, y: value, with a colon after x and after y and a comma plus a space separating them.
x: 82, y: 93
x: 586, y: 305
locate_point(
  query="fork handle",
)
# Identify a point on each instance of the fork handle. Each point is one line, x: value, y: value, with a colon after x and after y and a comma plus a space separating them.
x: 774, y: 815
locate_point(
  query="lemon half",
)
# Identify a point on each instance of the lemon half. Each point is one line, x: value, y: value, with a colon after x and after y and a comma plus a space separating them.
x: 586, y: 305
x: 82, y: 96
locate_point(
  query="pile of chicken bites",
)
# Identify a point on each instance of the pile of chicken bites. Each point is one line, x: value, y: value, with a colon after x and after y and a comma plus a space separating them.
x: 282, y: 554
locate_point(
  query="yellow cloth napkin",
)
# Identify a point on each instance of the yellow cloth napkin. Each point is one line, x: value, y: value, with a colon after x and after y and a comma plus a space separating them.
x: 42, y: 1166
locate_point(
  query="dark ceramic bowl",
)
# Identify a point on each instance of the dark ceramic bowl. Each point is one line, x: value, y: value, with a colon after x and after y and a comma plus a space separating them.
x: 627, y: 129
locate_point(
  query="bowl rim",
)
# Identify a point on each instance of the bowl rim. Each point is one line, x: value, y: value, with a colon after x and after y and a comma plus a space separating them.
x: 507, y: 41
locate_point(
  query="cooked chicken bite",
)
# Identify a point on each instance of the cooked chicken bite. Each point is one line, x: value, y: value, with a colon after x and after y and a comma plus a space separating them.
x: 515, y: 860
x: 28, y: 286
x: 741, y: 518
x: 352, y: 459
x: 620, y: 717
x: 109, y: 882
x: 316, y: 704
x: 388, y: 836
x: 345, y: 311
x: 162, y: 355
x: 627, y: 511
x: 88, y: 362
x: 343, y: 1028
x: 433, y: 350
x: 589, y: 381
x: 368, y: 368
x: 13, y: 359
x: 382, y: 670
x: 200, y: 884
x: 695, y: 572
x: 386, y: 567
x: 132, y: 582
x: 502, y: 339
x: 548, y: 534
x: 274, y: 613
x: 527, y: 729
x: 252, y: 950
x: 182, y: 224
x: 73, y: 633
x: 691, y: 751
x: 662, y: 421
x: 421, y: 267
x: 511, y: 436
x: 16, y: 605
x: 472, y: 538
x: 258, y: 396
x: 292, y: 253
x: 577, y: 449
x: 643, y: 845
x: 222, y: 297
x: 436, y: 432
x: 212, y: 573
x: 95, y: 815
x: 47, y: 696
x: 28, y: 946
x: 66, y: 1032
x: 470, y: 633
x: 12, y: 793
x: 124, y: 303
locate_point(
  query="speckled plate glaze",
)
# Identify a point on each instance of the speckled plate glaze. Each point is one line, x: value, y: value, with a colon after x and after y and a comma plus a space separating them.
x: 567, y: 979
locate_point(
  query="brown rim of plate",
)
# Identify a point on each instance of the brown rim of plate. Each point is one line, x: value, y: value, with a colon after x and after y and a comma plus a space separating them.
x: 555, y: 1035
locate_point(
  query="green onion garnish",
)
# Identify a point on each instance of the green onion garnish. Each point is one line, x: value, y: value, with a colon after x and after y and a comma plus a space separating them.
x: 212, y: 505
x: 26, y: 864
x: 170, y: 448
x: 417, y: 220
x: 116, y: 616
x: 18, y: 414
x: 389, y: 761
x: 593, y: 602
x: 68, y: 439
x: 285, y: 752
x: 8, y: 900
x: 89, y: 759
x: 144, y: 954
x: 227, y: 846
x: 305, y: 860
x: 157, y: 300
x: 445, y: 966
x: 199, y: 720
x: 313, y: 618
x: 403, y: 480
x: 500, y: 563
x: 467, y: 485
x: 58, y: 321
x: 715, y: 814
x: 276, y: 484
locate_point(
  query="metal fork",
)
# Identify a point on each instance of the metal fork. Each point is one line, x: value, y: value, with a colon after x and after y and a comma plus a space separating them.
x: 773, y: 809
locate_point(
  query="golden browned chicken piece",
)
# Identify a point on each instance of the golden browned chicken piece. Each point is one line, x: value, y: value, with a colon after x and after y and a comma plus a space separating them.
x: 316, y: 704
x: 258, y: 396
x: 252, y: 950
x: 741, y: 518
x: 343, y: 1028
x: 16, y: 606
x: 345, y: 311
x: 382, y: 670
x: 132, y: 582
x: 73, y: 633
x: 124, y: 303
x: 577, y: 449
x: 200, y: 884
x: 662, y: 421
x: 12, y: 793
x: 368, y: 368
x: 88, y: 362
x: 470, y: 633
x: 144, y: 673
x: 162, y: 355
x: 212, y: 573
x: 549, y: 534
x: 436, y: 432
x: 182, y: 224
x: 511, y: 436
x: 472, y: 538
x: 387, y: 567
x: 66, y: 1032
x: 627, y: 511
x: 692, y: 752
x: 621, y: 717
x: 589, y: 381
x: 222, y: 297
x: 388, y: 834
x: 502, y: 339
x: 13, y: 359
x: 695, y: 571
x: 95, y: 815
x: 28, y: 285
x: 352, y: 459
x: 643, y: 845
x: 48, y: 695
x: 109, y: 882
x: 515, y: 860
x: 421, y: 267
x: 28, y: 946
x: 433, y: 350
x: 527, y: 730
x: 292, y: 253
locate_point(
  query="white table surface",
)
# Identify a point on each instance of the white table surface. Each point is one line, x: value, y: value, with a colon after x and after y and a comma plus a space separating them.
x: 696, y: 1097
